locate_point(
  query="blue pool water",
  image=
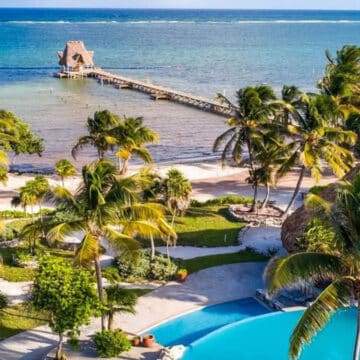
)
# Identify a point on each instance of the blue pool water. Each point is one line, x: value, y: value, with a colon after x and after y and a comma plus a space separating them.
x: 190, y: 327
x: 267, y: 337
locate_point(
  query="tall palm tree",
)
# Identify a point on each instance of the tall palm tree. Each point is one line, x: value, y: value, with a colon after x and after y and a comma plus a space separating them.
x: 64, y: 168
x: 131, y: 137
x: 271, y: 153
x: 104, y: 207
x: 340, y: 266
x: 254, y: 107
x: 99, y: 135
x: 315, y: 139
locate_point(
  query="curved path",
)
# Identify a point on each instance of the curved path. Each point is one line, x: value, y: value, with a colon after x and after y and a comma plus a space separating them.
x: 209, y: 286
x: 261, y: 239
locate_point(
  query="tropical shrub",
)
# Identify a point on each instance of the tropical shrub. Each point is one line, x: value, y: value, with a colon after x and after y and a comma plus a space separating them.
x: 111, y: 274
x: 3, y: 301
x: 12, y: 230
x: 317, y: 189
x: 222, y: 200
x: 111, y: 343
x: 141, y: 266
x: 318, y: 237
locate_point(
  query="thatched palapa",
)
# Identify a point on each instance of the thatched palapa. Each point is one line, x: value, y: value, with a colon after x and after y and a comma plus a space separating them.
x: 75, y: 56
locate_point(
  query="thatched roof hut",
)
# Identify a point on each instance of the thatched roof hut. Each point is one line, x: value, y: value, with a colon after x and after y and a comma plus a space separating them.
x: 295, y: 225
x: 75, y: 56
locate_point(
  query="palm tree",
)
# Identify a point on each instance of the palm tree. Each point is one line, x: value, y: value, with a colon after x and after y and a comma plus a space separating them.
x: 254, y: 108
x: 315, y: 139
x: 104, y: 207
x: 271, y: 153
x: 119, y: 300
x: 64, y: 168
x: 132, y: 136
x: 176, y: 189
x: 341, y: 267
x: 99, y: 135
x: 342, y: 77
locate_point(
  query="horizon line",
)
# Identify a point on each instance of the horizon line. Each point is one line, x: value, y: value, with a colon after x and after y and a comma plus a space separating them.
x: 171, y: 8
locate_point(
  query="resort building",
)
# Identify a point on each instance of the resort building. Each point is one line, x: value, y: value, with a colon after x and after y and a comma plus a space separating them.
x: 75, y: 57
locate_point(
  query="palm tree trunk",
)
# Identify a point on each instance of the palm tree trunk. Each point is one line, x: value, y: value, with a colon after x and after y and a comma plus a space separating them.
x: 32, y: 248
x: 62, y: 181
x: 152, y: 255
x: 100, y: 287
x: 357, y: 338
x: 296, y: 191
x: 59, y: 353
x: 42, y: 221
x: 267, y: 196
x: 110, y: 320
x: 125, y: 167
x: 254, y: 204
x: 252, y: 171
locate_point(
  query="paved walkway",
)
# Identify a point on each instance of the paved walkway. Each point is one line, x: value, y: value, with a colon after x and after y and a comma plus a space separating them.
x: 205, y: 287
x: 261, y: 239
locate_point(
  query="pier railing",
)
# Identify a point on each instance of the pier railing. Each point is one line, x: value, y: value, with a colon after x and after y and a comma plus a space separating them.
x: 155, y: 91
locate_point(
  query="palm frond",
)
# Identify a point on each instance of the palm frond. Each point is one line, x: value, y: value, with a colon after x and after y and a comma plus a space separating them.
x: 333, y: 298
x: 119, y: 241
x: 88, y: 250
x: 62, y: 230
x: 296, y: 268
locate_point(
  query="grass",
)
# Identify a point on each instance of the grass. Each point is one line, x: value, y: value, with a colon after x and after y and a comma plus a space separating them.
x: 200, y: 263
x: 18, y: 318
x: 140, y: 292
x: 13, y: 273
x: 207, y: 227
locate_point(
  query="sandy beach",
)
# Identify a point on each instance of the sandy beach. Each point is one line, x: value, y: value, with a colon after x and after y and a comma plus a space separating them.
x: 208, y: 179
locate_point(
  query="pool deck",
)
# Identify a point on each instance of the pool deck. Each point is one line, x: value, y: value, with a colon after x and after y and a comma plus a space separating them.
x: 209, y: 286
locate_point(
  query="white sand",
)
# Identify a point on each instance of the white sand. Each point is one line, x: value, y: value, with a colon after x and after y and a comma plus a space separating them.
x: 192, y: 172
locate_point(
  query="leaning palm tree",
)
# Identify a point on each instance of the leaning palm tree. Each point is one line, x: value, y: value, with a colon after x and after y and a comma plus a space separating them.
x: 104, y: 207
x: 98, y: 134
x: 64, y: 168
x: 131, y: 137
x: 340, y: 266
x: 315, y: 139
x: 254, y: 107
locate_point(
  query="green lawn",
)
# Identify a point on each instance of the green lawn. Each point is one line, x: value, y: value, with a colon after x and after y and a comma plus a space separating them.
x: 200, y: 263
x: 10, y: 272
x: 207, y: 227
x: 15, y: 319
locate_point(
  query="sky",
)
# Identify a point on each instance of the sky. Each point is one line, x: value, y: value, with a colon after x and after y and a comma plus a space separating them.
x: 207, y: 4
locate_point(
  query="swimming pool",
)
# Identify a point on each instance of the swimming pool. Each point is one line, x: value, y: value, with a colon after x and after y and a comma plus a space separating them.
x: 190, y: 327
x: 267, y: 337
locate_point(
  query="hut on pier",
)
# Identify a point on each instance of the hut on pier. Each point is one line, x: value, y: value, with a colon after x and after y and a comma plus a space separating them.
x: 75, y: 57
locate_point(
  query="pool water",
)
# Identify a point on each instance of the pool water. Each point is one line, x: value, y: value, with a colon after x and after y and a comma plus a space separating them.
x: 267, y: 337
x: 190, y: 327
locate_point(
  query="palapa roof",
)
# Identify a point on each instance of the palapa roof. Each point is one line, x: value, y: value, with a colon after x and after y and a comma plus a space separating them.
x: 75, y: 54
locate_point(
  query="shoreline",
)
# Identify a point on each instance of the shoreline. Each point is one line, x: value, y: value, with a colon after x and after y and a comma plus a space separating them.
x: 209, y: 180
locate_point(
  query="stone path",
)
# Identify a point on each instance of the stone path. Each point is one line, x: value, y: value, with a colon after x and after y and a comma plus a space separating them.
x: 16, y: 292
x: 261, y: 239
x: 209, y: 286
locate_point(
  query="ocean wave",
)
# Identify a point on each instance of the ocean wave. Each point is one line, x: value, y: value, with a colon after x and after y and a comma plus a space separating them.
x: 274, y: 21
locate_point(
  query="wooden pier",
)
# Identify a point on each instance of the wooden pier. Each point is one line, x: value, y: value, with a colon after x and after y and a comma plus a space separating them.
x: 156, y: 92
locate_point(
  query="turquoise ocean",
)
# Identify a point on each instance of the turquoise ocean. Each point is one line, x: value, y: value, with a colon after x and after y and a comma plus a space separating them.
x: 199, y: 51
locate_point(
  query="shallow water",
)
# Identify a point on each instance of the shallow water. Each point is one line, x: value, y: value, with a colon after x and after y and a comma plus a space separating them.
x: 202, y: 52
